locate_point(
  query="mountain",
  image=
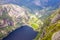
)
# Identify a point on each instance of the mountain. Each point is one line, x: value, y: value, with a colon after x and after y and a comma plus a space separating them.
x: 16, y: 12
x: 11, y: 17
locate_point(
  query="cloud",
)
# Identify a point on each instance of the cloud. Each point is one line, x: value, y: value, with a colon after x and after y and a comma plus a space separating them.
x: 40, y: 3
x: 4, y: 1
x: 8, y: 1
x: 46, y: 0
x: 37, y: 2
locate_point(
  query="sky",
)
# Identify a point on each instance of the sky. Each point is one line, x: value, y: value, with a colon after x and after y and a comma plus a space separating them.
x: 34, y: 4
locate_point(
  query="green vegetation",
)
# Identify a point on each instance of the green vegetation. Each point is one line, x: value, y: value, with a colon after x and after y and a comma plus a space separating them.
x: 35, y: 22
x: 50, y: 28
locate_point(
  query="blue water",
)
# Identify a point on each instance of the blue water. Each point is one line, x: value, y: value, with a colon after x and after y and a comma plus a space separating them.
x: 22, y: 33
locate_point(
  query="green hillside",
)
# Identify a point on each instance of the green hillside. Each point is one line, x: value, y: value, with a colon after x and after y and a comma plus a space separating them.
x: 51, y: 25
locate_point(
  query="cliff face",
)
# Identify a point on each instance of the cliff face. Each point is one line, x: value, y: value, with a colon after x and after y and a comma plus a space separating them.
x: 14, y: 10
x: 17, y: 13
